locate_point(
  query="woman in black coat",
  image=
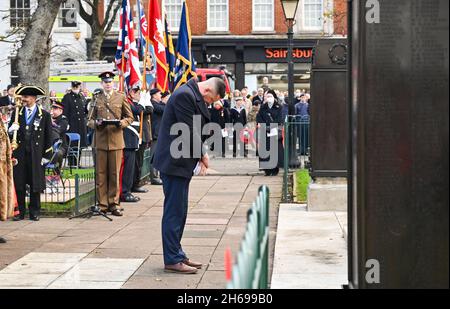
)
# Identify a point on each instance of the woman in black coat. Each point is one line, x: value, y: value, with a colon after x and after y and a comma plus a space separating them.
x: 270, y: 120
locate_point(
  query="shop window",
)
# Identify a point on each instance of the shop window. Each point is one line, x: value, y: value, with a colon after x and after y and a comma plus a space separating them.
x: 263, y: 15
x: 20, y: 13
x: 218, y: 12
x: 173, y: 9
x: 255, y: 68
x: 68, y: 16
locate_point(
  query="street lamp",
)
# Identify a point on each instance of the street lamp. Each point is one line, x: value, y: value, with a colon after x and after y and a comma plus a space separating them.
x: 290, y: 11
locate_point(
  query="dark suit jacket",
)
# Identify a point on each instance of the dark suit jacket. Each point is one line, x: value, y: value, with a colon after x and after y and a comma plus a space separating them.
x: 157, y: 115
x: 4, y: 101
x: 185, y: 102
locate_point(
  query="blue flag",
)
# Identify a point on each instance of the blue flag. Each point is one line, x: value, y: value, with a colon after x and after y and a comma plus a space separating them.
x: 185, y: 67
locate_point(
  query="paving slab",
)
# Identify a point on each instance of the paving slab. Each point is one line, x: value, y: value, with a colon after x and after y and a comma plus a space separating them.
x: 58, y: 253
x: 310, y: 251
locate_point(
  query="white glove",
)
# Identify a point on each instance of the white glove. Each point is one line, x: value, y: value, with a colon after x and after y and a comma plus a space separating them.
x: 44, y: 161
x: 13, y: 127
x: 145, y: 100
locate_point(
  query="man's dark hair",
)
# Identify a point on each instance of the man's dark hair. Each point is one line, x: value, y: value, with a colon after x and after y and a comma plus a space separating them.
x: 9, y: 87
x: 220, y: 86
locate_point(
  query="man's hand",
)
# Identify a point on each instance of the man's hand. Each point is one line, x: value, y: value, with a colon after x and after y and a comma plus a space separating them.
x: 205, y: 161
x: 203, y: 169
x: 13, y: 127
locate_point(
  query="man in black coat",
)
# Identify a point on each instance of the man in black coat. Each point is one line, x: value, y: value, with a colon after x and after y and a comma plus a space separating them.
x: 75, y: 110
x: 158, y: 112
x: 177, y: 156
x: 34, y: 137
x: 131, y: 137
x: 8, y: 100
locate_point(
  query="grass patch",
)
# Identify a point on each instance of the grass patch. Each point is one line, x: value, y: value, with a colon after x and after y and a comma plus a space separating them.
x: 303, y: 179
x: 80, y: 172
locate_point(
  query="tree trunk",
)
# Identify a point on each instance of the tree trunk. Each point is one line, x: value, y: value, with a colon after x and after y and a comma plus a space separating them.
x: 33, y: 57
x: 95, y: 52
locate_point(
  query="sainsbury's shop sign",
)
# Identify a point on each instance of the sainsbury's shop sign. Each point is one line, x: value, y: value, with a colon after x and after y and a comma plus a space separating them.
x: 297, y: 53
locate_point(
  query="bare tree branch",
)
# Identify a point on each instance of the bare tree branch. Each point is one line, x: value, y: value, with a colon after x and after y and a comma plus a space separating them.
x: 89, y: 18
x: 112, y: 20
x: 89, y: 3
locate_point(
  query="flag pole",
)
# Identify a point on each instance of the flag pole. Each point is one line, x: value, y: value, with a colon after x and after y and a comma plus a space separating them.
x: 122, y: 76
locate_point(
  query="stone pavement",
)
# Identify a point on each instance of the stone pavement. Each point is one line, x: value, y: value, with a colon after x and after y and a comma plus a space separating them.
x: 310, y: 250
x: 127, y: 253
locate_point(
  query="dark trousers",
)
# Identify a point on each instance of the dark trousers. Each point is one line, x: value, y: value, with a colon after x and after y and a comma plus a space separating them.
x: 139, y: 160
x: 153, y: 172
x: 129, y: 157
x: 176, y: 192
x: 35, y: 197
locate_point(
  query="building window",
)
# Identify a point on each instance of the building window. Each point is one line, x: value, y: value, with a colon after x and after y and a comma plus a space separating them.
x: 173, y: 9
x: 263, y: 15
x: 20, y: 13
x: 218, y: 15
x: 312, y: 15
x: 68, y: 16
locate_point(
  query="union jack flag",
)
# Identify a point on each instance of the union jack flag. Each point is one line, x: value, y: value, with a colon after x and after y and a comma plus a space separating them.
x: 127, y: 59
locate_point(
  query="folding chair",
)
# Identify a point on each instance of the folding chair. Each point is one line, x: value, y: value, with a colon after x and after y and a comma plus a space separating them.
x: 73, y: 151
x: 52, y: 165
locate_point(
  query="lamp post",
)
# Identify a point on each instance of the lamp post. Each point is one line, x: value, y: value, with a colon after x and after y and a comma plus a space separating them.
x: 290, y: 11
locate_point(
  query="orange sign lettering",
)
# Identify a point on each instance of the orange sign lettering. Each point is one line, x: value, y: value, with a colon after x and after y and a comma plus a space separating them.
x: 298, y: 53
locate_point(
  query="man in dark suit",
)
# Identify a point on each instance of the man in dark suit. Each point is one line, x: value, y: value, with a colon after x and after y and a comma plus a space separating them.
x: 8, y: 100
x: 75, y: 110
x: 177, y: 156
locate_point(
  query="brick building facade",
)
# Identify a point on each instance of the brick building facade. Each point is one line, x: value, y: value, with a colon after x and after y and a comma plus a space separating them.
x: 248, y: 37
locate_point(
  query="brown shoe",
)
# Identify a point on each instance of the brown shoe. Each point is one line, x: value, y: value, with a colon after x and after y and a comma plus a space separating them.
x: 193, y: 264
x: 180, y: 268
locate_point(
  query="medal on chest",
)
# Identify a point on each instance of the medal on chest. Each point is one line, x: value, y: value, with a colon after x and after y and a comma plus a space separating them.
x: 36, y: 123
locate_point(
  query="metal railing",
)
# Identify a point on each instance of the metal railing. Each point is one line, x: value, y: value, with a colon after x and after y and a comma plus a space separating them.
x: 296, y: 147
x: 67, y: 194
x: 252, y: 268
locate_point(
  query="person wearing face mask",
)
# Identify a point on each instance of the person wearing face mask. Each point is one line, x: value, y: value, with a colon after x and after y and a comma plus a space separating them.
x: 74, y: 104
x: 178, y: 157
x: 271, y: 114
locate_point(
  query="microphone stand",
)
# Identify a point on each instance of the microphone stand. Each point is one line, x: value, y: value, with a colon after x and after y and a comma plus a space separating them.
x: 95, y: 209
